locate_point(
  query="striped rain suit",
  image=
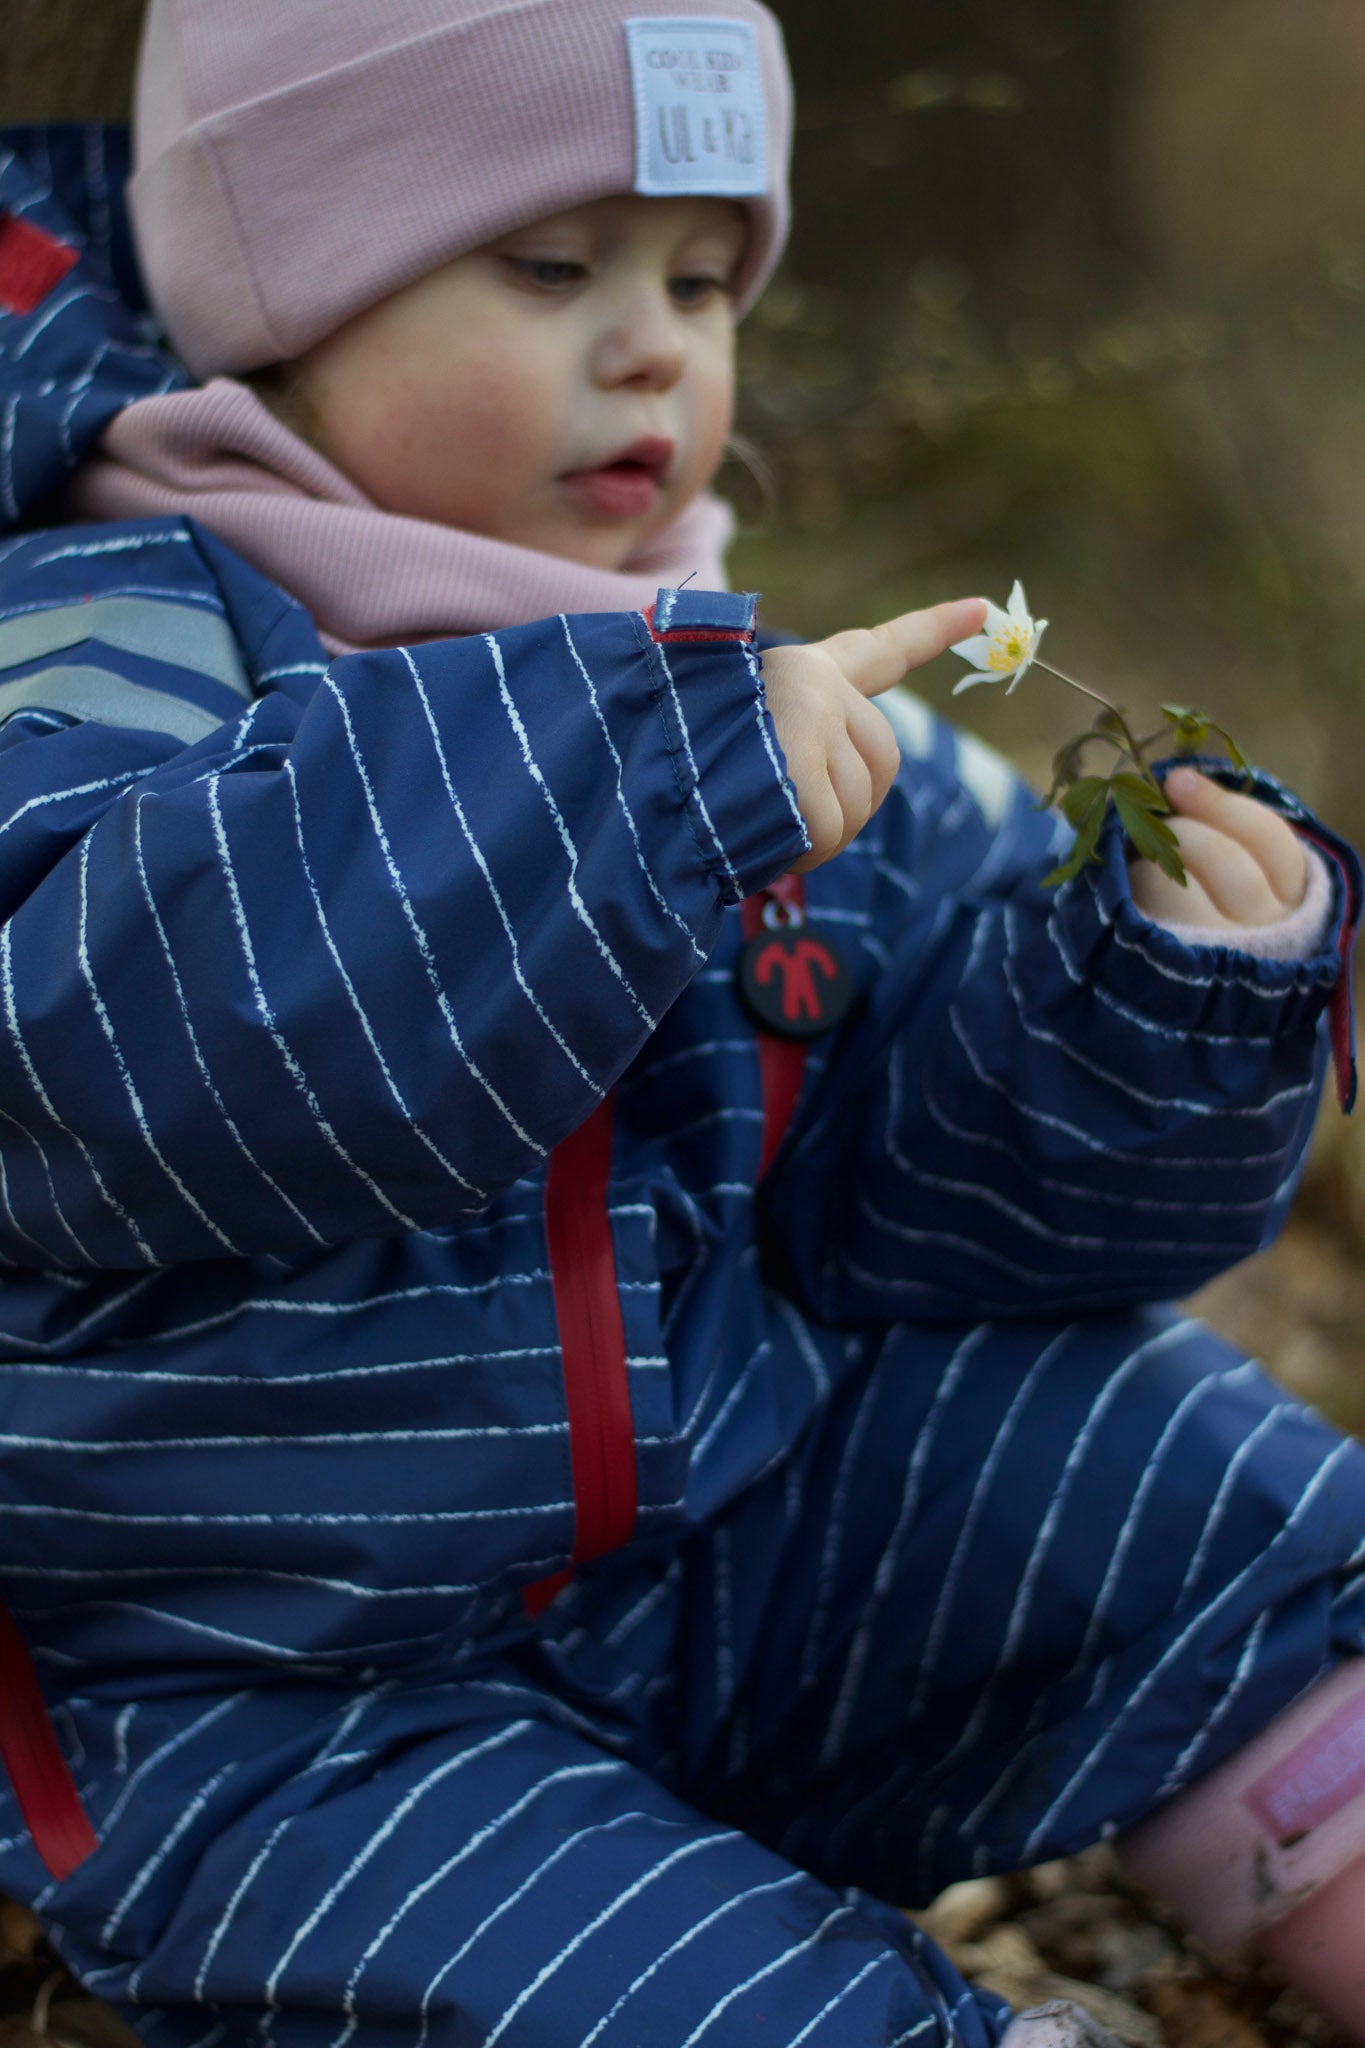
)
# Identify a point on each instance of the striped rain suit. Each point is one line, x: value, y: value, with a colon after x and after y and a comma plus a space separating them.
x: 539, y: 1515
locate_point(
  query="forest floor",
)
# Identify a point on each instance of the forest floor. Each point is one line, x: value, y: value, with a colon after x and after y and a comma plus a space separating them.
x: 1065, y: 1930
x: 1072, y: 1929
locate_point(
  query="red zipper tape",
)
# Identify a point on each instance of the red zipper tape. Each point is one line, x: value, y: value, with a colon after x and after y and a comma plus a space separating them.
x: 1340, y: 1005
x: 592, y: 1339
x: 588, y: 1309
x: 43, y: 1785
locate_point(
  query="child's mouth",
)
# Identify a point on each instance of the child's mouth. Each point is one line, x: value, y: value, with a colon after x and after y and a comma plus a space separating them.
x: 628, y: 486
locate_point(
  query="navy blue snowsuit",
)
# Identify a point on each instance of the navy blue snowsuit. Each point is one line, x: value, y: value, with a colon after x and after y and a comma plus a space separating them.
x: 380, y: 1134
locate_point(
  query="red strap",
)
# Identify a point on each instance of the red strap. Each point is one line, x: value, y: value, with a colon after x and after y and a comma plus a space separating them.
x: 592, y: 1341
x: 31, y: 263
x: 536, y: 1597
x: 43, y: 1785
x: 781, y: 1061
x: 1340, y: 1004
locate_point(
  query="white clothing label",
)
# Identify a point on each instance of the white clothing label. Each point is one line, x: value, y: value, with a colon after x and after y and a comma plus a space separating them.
x: 700, y: 121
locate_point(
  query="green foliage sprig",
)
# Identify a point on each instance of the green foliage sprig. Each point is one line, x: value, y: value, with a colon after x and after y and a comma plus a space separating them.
x: 1130, y: 786
x: 1007, y: 647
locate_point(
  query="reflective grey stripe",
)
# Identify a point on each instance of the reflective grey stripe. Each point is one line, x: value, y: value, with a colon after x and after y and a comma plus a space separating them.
x: 179, y: 633
x: 109, y: 699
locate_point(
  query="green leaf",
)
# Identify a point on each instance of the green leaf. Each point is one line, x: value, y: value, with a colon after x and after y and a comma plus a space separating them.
x: 1191, y: 727
x: 1087, y: 836
x: 1143, y: 791
x: 1081, y: 797
x: 1066, y: 764
x: 1065, y: 759
x: 1067, y: 872
x: 1151, y: 838
x: 1234, y: 752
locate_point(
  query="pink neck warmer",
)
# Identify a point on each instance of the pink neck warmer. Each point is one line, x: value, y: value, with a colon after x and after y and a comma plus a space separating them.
x: 370, y: 578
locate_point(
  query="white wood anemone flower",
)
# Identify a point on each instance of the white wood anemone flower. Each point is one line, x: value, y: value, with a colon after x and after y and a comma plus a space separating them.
x: 1005, y: 646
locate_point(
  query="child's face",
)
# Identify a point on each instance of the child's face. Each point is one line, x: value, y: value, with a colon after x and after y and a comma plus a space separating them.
x: 568, y: 387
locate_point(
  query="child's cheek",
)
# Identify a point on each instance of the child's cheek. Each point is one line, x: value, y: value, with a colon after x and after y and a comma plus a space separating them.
x: 489, y: 429
x: 717, y: 417
x: 500, y: 419
x: 456, y: 448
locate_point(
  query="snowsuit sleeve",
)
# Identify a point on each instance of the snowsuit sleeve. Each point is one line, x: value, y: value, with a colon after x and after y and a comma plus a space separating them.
x: 290, y: 957
x: 1051, y: 1104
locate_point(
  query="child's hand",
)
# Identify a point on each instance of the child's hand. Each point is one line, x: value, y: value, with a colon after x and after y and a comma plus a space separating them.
x: 1245, y: 864
x: 841, y: 753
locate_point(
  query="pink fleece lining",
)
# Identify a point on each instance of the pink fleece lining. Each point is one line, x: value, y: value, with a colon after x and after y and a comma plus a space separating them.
x: 370, y: 578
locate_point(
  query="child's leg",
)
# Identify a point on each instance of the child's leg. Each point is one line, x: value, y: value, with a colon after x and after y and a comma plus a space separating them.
x: 1021, y: 1584
x: 454, y: 1864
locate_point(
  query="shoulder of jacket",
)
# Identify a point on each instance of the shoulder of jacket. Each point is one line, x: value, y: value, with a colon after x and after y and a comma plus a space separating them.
x: 145, y: 622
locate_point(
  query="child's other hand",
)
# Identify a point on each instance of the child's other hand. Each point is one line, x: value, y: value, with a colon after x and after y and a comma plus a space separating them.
x: 1245, y: 864
x: 841, y: 753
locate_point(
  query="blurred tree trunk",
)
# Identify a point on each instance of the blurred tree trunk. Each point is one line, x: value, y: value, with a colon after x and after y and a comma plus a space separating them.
x: 67, y: 59
x: 971, y: 133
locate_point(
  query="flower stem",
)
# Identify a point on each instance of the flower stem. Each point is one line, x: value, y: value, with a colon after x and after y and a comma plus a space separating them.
x: 1084, y: 688
x: 1130, y: 746
x: 1149, y: 739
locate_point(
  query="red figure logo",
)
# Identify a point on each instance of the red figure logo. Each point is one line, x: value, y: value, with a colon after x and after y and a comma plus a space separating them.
x: 800, y: 996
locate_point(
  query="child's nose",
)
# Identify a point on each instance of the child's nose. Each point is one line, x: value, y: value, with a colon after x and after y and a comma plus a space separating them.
x: 641, y: 344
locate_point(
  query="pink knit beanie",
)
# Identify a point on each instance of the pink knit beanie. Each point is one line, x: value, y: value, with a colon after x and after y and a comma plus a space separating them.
x: 298, y: 160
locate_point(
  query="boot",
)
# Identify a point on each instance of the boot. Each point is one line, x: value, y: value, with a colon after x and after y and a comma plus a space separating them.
x: 1270, y: 1846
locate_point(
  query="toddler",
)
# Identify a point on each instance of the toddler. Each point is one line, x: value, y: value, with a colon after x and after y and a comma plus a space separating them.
x: 588, y: 1410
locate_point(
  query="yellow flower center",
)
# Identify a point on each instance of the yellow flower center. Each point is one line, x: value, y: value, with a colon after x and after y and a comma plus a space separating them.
x: 1009, y: 645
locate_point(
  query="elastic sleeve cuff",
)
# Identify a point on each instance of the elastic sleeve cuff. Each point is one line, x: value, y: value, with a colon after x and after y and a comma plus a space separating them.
x: 728, y: 765
x: 1212, y: 986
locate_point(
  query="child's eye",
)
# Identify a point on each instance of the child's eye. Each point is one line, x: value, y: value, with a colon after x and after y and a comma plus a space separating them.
x: 695, y: 291
x: 549, y: 273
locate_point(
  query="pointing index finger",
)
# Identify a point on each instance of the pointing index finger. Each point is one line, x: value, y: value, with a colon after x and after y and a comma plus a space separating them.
x: 875, y: 658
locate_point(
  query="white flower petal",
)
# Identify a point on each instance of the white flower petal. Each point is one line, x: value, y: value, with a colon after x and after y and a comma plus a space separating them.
x: 1018, y: 603
x: 976, y: 649
x: 978, y: 676
x: 995, y: 620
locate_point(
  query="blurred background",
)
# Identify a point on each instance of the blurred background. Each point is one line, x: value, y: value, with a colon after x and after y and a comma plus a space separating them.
x: 1076, y: 294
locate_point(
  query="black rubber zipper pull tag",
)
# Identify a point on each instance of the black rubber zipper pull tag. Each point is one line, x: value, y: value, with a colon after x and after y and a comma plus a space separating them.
x: 792, y: 977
